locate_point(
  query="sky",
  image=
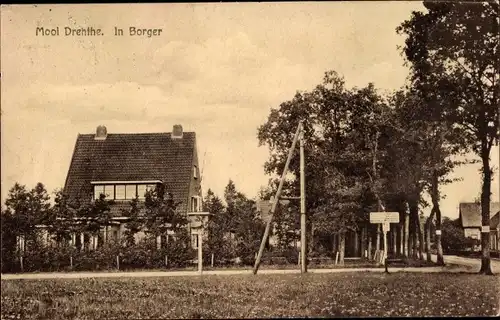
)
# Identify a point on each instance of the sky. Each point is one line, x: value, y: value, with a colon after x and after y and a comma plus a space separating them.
x: 216, y: 69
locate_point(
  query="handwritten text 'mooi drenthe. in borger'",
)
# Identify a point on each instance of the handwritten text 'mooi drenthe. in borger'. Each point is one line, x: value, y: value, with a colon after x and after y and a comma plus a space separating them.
x: 91, y: 31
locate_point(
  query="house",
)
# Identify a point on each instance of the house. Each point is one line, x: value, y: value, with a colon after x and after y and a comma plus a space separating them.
x: 470, y: 218
x: 123, y: 165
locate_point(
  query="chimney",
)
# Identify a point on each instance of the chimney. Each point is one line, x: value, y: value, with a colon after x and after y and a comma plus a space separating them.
x: 101, y: 133
x: 177, y: 132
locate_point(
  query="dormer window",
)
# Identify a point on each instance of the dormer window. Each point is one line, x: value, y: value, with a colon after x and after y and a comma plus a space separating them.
x: 123, y: 190
x: 195, y: 172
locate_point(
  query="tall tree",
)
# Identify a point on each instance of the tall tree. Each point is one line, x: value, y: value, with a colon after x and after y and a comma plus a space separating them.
x: 453, y: 53
x: 62, y: 222
x: 28, y: 209
x: 218, y: 229
x: 136, y: 221
x: 95, y: 215
x: 344, y: 133
x: 243, y: 222
x: 161, y: 214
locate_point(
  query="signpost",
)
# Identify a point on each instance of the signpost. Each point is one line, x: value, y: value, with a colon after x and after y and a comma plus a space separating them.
x: 385, y: 218
x: 201, y: 217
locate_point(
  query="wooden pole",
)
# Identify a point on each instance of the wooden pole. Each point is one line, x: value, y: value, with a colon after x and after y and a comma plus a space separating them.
x: 277, y: 197
x: 303, y: 244
x: 118, y: 262
x: 212, y: 261
x: 385, y: 229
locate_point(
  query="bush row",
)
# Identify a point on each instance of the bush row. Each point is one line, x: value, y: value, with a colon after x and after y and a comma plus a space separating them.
x: 140, y: 256
x: 144, y: 255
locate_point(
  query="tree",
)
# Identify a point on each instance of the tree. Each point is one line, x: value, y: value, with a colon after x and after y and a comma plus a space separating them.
x: 453, y: 53
x: 9, y: 236
x: 218, y: 228
x: 243, y: 222
x: 94, y: 215
x: 453, y: 236
x: 28, y: 209
x: 285, y: 224
x: 62, y: 223
x: 135, y: 223
x: 425, y: 149
x: 344, y: 134
x: 162, y: 215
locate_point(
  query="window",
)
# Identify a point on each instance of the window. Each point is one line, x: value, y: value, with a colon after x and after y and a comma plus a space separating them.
x: 143, y: 188
x: 195, y: 172
x: 131, y: 191
x: 195, y: 204
x: 98, y: 190
x: 120, y: 192
x: 194, y: 240
x: 141, y: 191
x: 107, y: 190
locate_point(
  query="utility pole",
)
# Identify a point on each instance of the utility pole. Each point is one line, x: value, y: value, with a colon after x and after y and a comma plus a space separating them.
x: 303, y: 244
x: 277, y: 198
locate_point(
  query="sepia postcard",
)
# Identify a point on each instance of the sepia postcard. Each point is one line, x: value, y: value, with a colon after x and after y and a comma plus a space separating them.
x: 250, y: 160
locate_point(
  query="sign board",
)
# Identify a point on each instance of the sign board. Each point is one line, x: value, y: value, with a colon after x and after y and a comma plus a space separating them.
x: 381, y: 217
x: 485, y: 228
x: 438, y: 232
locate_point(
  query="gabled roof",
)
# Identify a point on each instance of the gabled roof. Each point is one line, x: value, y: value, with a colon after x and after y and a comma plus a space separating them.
x: 264, y: 208
x: 494, y: 221
x: 470, y: 214
x: 131, y: 157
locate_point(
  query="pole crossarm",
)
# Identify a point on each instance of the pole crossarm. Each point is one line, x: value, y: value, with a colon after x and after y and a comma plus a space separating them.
x: 289, y: 198
x: 277, y: 197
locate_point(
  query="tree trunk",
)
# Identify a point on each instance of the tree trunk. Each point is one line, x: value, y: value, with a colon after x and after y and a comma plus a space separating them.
x: 356, y: 244
x: 334, y: 245
x: 411, y: 226
x: 399, y: 240
x: 370, y: 241
x: 342, y: 248
x: 363, y: 242
x: 310, y: 245
x: 406, y: 238
x: 420, y: 241
x: 377, y: 239
x: 414, y: 225
x: 437, y: 210
x: 394, y: 240
x: 485, y: 211
x: 428, y: 235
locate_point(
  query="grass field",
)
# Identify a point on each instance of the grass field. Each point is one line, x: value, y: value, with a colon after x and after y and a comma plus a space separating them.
x: 319, y: 295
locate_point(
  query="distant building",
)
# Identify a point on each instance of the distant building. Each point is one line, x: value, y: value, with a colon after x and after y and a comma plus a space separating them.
x: 470, y: 218
x: 264, y: 211
x: 123, y: 166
